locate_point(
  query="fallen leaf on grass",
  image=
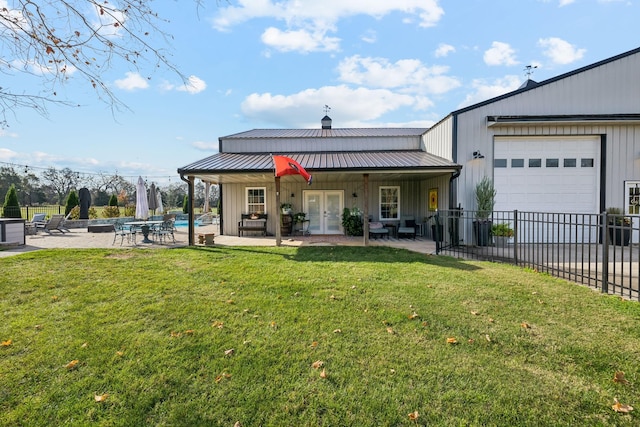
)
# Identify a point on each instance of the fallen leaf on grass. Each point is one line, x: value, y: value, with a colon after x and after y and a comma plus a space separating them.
x: 618, y: 377
x: 55, y: 298
x: 337, y: 331
x: 189, y: 332
x: 390, y: 330
x: 230, y: 301
x: 413, y: 316
x: 38, y: 327
x: 452, y: 340
x: 619, y: 407
x: 475, y: 313
x: 488, y: 337
x: 217, y: 324
x: 120, y: 353
x: 7, y: 343
x: 491, y: 320
x: 317, y: 364
x: 323, y: 374
x: 471, y: 340
x: 237, y: 424
x: 175, y: 334
x: 85, y: 345
x: 413, y: 416
x: 101, y: 397
x: 222, y: 376
x: 333, y: 297
x: 229, y: 352
x: 525, y: 325
x: 72, y: 365
x: 314, y: 344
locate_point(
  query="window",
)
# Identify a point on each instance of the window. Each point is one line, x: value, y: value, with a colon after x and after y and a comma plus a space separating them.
x: 552, y: 163
x: 256, y: 200
x: 535, y: 163
x: 586, y: 163
x: 569, y: 163
x: 389, y: 203
x: 500, y: 163
x: 517, y: 163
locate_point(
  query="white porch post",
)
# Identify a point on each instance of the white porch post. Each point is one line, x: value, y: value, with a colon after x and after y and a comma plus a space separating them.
x: 365, y: 220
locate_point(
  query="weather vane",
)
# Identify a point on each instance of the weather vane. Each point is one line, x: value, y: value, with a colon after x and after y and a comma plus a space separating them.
x: 326, y: 109
x: 528, y: 70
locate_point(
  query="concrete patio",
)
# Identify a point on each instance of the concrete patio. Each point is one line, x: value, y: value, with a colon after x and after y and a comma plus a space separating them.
x: 79, y: 238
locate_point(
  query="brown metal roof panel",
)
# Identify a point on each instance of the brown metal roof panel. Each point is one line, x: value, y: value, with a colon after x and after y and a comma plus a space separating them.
x: 326, y: 133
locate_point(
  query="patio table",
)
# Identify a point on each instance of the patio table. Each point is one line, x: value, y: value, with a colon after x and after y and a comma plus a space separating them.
x: 145, y: 226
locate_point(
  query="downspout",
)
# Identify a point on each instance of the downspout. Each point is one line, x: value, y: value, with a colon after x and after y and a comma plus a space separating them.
x: 191, y: 192
x: 452, y: 190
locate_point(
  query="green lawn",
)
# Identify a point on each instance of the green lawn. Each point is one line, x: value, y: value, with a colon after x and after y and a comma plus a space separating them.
x: 215, y: 336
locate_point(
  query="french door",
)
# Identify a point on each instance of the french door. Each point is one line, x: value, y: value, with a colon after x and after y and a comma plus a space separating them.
x: 324, y: 211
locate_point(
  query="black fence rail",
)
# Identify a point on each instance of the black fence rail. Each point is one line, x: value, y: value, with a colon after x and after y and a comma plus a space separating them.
x: 597, y: 250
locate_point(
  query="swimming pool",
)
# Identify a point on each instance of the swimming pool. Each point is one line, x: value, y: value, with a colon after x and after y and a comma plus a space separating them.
x: 185, y: 223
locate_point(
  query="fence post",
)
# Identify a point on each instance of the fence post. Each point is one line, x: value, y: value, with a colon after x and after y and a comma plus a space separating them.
x: 515, y: 237
x: 604, y: 226
x: 436, y: 232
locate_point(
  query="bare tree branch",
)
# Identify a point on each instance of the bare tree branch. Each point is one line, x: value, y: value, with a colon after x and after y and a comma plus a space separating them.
x: 56, y: 41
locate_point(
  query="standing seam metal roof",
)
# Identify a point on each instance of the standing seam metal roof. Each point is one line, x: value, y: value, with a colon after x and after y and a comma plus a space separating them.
x: 327, y: 133
x: 319, y: 162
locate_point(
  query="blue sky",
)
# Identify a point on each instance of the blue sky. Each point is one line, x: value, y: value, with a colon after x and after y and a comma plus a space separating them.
x: 276, y: 63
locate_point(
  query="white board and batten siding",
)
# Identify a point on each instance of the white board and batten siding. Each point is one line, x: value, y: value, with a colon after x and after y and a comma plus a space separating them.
x: 324, y: 144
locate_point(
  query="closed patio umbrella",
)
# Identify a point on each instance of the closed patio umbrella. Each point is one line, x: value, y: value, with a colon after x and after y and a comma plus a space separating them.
x: 160, y: 207
x: 153, y: 198
x: 142, y: 204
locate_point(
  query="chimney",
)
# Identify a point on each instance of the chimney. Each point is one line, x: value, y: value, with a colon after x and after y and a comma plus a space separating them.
x: 326, y: 122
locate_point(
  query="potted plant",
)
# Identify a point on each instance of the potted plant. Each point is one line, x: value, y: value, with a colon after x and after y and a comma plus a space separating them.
x: 286, y: 208
x: 299, y: 217
x: 502, y: 232
x: 352, y: 222
x: 619, y: 227
x: 485, y: 201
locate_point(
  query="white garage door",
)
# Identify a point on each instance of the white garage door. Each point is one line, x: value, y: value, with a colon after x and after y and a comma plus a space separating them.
x: 547, y: 174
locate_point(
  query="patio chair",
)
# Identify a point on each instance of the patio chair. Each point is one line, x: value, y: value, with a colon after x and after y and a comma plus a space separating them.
x: 37, y: 221
x: 407, y: 227
x: 377, y: 229
x: 123, y: 232
x: 165, y: 230
x: 55, y: 223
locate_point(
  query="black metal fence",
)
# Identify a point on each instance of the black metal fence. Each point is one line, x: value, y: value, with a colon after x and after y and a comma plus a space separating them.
x: 597, y: 250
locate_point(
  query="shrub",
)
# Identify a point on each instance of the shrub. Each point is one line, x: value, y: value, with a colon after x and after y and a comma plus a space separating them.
x: 11, y: 207
x: 129, y: 210
x: 185, y: 204
x: 72, y: 202
x: 113, y: 201
x: 74, y: 213
x: 111, y: 211
x: 352, y: 222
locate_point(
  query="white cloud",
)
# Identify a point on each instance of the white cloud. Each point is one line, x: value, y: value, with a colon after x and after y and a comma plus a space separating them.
x: 131, y: 82
x: 349, y: 107
x: 500, y: 54
x: 369, y: 37
x: 566, y: 2
x: 299, y: 40
x: 444, y: 50
x: 484, y: 90
x: 308, y: 23
x: 205, y: 146
x: 6, y: 154
x: 193, y: 86
x: 560, y: 51
x: 409, y: 74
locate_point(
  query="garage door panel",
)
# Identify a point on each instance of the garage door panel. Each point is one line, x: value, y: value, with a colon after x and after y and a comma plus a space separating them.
x: 547, y: 189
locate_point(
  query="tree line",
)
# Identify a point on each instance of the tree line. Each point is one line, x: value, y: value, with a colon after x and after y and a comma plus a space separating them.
x: 53, y: 186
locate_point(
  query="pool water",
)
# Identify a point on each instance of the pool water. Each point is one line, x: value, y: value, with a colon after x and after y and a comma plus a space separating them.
x: 185, y: 223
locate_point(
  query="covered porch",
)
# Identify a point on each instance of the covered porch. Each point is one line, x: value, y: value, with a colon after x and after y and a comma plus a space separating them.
x: 419, y: 182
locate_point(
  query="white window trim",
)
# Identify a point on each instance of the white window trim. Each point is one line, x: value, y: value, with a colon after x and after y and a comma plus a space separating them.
x: 385, y: 187
x: 246, y: 198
